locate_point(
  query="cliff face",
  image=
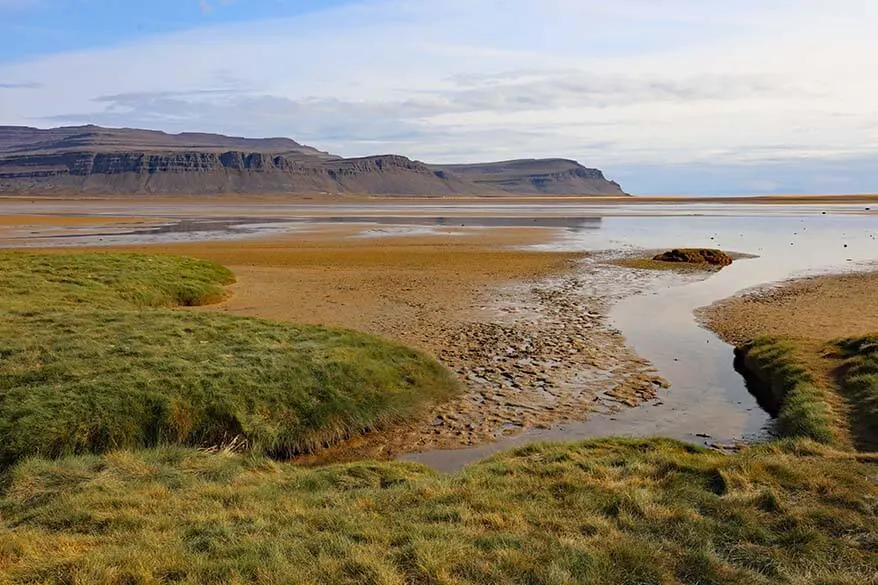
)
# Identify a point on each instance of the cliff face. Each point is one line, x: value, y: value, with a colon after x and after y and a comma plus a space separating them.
x: 538, y: 177
x: 226, y: 172
x: 97, y: 160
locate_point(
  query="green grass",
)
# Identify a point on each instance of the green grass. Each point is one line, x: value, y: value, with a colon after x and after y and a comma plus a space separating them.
x: 89, y: 365
x: 859, y: 383
x: 802, y: 408
x: 636, y: 512
x: 31, y: 283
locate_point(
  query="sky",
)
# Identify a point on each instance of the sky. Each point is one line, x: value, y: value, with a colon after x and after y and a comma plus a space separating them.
x: 666, y: 96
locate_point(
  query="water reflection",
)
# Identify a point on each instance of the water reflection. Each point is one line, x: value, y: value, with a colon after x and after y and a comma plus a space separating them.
x: 572, y: 224
x: 207, y: 229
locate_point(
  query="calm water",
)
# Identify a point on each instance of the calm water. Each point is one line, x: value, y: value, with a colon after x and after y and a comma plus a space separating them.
x: 183, y: 222
x: 708, y: 401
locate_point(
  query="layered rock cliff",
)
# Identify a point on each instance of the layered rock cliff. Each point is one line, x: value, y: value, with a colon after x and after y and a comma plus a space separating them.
x: 90, y: 159
x: 537, y: 177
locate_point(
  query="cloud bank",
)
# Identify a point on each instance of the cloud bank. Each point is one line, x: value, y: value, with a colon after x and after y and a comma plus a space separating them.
x: 668, y: 96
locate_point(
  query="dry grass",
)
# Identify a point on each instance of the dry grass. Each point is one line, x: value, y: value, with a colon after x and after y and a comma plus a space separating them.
x: 611, y: 511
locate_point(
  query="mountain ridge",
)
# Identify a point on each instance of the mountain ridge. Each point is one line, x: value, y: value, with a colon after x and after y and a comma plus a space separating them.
x: 94, y: 159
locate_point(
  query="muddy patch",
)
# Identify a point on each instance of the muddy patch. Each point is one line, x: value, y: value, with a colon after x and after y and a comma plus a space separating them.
x: 532, y: 355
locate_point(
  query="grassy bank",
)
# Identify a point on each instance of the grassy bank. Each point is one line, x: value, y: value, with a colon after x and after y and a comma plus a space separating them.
x: 89, y: 364
x: 788, y: 390
x: 828, y: 395
x: 31, y: 283
x: 607, y: 511
x: 858, y: 379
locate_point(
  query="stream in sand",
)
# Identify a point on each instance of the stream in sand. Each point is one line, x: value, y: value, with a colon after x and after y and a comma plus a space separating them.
x: 707, y: 401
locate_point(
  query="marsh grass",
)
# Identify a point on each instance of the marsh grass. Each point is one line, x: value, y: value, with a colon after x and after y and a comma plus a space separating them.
x: 839, y: 409
x: 803, y: 409
x: 633, y: 512
x: 89, y: 364
x: 37, y: 282
x: 858, y: 380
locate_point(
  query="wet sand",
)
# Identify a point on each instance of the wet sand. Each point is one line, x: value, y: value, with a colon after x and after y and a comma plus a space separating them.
x: 63, y: 221
x: 814, y: 309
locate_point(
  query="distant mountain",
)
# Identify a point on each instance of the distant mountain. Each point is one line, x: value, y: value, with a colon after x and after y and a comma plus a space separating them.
x: 91, y: 159
x: 547, y: 176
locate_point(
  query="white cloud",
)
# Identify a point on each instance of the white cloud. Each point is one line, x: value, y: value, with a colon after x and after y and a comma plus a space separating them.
x: 621, y: 84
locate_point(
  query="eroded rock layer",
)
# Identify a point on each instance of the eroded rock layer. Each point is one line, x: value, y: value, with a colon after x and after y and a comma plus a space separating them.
x: 90, y: 159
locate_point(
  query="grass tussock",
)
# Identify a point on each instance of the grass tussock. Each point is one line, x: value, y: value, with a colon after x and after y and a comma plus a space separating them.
x: 789, y: 392
x: 636, y: 512
x: 89, y: 364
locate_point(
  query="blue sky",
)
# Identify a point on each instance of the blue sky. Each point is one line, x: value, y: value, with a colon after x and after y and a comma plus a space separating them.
x: 667, y: 96
x: 34, y: 27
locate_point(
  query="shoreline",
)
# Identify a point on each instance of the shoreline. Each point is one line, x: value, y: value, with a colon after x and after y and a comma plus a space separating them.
x: 498, y: 316
x: 815, y: 308
x: 318, y: 199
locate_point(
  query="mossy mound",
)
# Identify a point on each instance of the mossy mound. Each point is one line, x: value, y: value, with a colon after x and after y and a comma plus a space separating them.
x: 695, y: 256
x: 89, y: 364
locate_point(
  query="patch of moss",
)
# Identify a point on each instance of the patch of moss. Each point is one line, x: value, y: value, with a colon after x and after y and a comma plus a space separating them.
x: 695, y: 256
x: 679, y: 260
